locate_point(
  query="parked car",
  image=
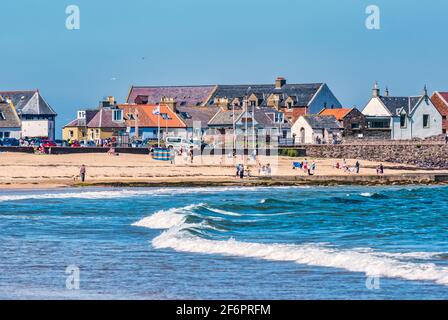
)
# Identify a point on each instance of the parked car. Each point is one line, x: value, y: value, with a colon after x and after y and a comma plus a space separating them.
x: 61, y: 143
x: 10, y: 142
x: 75, y: 144
x: 87, y: 143
x: 48, y: 143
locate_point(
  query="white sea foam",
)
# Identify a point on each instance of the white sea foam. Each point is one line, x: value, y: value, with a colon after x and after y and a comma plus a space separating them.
x: 219, y: 211
x: 165, y: 219
x: 124, y: 193
x: 363, y: 260
x: 366, y: 194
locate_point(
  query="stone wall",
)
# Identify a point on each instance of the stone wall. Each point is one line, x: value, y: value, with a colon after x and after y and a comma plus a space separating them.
x: 422, y: 155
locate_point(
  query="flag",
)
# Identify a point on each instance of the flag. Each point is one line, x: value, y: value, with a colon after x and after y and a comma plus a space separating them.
x: 156, y: 110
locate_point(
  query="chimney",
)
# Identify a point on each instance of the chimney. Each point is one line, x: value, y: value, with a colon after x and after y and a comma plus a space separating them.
x: 222, y: 103
x: 386, y: 93
x: 376, y: 90
x: 280, y: 82
x: 111, y: 100
x: 170, y: 102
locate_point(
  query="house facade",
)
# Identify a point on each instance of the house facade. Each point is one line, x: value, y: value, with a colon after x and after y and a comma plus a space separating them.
x: 401, y: 118
x: 10, y: 124
x: 440, y: 101
x: 147, y: 121
x: 36, y: 116
x: 96, y: 124
x: 351, y: 119
x: 316, y: 129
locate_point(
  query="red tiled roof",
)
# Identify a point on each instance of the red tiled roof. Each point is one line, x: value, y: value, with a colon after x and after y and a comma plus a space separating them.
x: 339, y: 113
x: 148, y: 119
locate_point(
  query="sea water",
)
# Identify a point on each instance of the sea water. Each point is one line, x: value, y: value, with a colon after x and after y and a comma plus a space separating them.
x: 225, y: 243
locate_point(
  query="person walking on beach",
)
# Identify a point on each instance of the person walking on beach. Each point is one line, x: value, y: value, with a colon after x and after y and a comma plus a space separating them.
x: 357, y: 167
x: 82, y: 173
x: 191, y: 154
x: 172, y: 155
x: 241, y: 171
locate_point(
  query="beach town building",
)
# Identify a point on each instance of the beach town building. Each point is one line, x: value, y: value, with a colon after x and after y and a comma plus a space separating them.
x: 291, y: 99
x: 196, y: 120
x: 96, y: 124
x: 10, y: 125
x: 351, y: 119
x: 400, y: 118
x: 37, y: 118
x: 317, y: 129
x: 150, y: 120
x: 440, y: 101
x: 249, y: 123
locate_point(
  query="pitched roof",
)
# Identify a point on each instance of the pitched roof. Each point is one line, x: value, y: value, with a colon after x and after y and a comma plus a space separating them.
x: 443, y: 106
x: 104, y: 119
x: 184, y: 95
x: 301, y: 93
x: 394, y: 104
x: 29, y: 102
x: 144, y: 120
x: 101, y: 118
x: 265, y: 117
x: 9, y: 118
x: 322, y: 122
x: 339, y: 113
x: 192, y: 114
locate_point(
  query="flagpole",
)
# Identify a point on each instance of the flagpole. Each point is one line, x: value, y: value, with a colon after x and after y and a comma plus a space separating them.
x: 158, y: 130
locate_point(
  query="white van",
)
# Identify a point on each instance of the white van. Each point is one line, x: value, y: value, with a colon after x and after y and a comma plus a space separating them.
x: 177, y: 142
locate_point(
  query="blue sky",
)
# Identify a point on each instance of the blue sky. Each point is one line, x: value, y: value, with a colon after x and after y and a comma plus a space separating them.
x: 178, y: 42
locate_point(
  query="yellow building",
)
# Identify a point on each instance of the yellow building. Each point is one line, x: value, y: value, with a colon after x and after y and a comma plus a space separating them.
x: 94, y: 125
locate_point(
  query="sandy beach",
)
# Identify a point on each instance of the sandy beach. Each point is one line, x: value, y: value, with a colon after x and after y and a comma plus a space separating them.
x: 19, y: 170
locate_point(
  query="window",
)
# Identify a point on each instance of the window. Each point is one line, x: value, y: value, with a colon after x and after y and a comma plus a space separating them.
x: 289, y: 104
x: 185, y: 115
x: 2, y: 116
x: 403, y: 121
x: 6, y: 134
x: 165, y: 116
x: 426, y: 121
x: 117, y: 115
x: 70, y: 133
x: 131, y: 116
x: 443, y: 117
x: 379, y: 123
x: 355, y: 125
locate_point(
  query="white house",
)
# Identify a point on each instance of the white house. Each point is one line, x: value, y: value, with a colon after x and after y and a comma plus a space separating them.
x: 10, y: 126
x: 36, y: 115
x: 316, y: 129
x: 401, y: 118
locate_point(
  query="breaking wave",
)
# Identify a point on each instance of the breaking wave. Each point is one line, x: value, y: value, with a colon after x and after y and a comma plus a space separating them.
x: 180, y: 235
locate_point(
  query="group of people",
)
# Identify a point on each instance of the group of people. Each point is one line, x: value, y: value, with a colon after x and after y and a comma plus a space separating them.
x: 184, y: 152
x: 309, y: 168
x: 346, y: 168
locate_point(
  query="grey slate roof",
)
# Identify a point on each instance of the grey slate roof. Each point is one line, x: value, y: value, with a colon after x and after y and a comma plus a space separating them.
x: 11, y: 118
x: 29, y: 103
x: 394, y: 104
x: 322, y: 122
x: 191, y: 114
x: 263, y: 116
x: 301, y: 93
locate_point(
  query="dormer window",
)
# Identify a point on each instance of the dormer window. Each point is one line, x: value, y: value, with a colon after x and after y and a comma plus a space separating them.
x: 81, y: 114
x: 131, y: 116
x: 289, y: 105
x: 117, y: 115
